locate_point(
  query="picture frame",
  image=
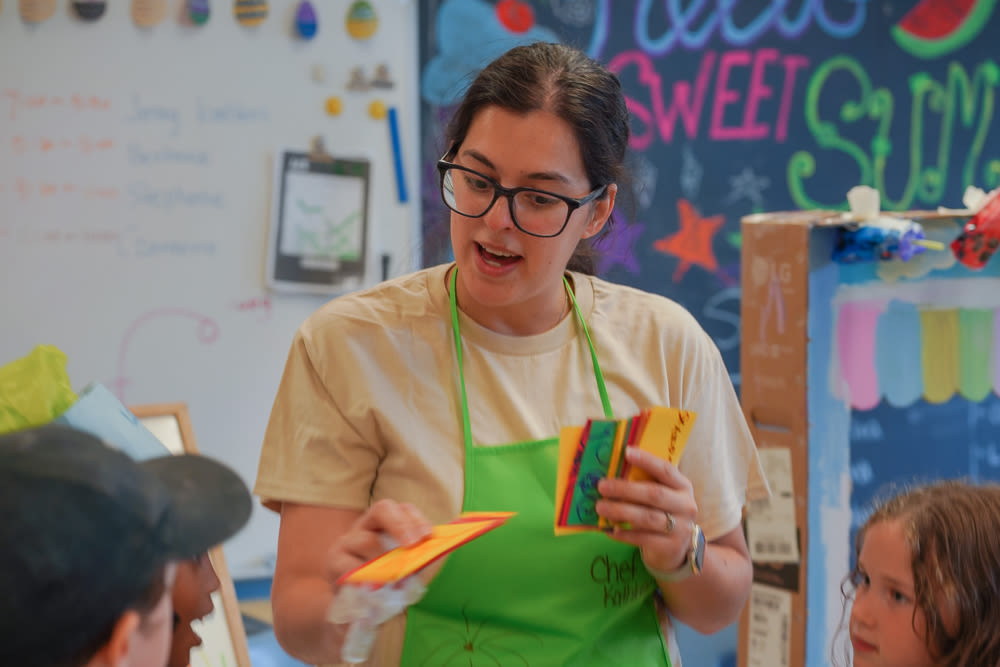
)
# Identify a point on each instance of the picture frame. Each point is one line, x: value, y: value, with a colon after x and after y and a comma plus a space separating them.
x: 224, y: 640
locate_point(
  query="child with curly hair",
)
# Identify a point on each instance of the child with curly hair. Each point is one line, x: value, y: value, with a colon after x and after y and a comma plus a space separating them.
x: 925, y: 588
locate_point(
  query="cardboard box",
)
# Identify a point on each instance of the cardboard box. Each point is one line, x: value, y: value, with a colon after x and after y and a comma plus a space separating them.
x: 811, y: 353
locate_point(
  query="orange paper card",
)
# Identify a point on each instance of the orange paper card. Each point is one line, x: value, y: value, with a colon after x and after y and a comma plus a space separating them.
x: 401, y: 562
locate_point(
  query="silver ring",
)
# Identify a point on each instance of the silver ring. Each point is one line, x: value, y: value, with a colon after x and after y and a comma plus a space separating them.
x: 670, y: 523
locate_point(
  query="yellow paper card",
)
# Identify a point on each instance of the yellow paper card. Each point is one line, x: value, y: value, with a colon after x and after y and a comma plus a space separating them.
x: 665, y: 435
x: 401, y: 562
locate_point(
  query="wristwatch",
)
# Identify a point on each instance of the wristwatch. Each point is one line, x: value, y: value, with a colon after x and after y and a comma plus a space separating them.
x: 692, y: 564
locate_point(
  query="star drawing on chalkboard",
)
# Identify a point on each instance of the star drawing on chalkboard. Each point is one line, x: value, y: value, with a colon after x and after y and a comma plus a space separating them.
x: 692, y: 243
x: 748, y: 185
x: 618, y: 247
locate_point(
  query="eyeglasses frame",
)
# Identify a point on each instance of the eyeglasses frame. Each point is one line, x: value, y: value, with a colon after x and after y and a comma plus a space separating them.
x: 508, y: 193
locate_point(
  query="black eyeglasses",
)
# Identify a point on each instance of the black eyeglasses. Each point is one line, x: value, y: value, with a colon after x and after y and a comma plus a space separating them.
x: 535, y: 212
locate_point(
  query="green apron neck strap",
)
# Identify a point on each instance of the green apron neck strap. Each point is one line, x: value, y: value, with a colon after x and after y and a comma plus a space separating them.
x: 466, y: 422
x: 603, y: 390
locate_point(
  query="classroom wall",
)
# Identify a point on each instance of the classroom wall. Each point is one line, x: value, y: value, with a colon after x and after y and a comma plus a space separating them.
x: 136, y: 176
x: 136, y: 172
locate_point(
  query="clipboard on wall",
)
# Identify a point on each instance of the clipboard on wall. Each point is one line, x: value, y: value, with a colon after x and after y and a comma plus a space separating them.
x: 318, y: 240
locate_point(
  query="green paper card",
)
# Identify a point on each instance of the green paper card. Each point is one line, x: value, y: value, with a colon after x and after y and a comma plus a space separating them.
x: 594, y: 463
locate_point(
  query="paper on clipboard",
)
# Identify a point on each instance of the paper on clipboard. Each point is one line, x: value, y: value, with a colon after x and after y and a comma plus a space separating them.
x: 318, y: 240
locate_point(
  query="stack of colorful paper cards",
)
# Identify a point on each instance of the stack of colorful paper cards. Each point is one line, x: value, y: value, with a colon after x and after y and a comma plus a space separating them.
x: 401, y: 562
x: 597, y: 450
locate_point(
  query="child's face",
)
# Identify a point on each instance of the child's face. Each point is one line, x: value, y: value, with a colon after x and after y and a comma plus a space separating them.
x: 192, y: 597
x: 882, y: 616
x: 150, y: 642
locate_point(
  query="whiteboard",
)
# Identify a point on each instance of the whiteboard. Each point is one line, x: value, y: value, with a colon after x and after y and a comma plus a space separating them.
x: 135, y: 192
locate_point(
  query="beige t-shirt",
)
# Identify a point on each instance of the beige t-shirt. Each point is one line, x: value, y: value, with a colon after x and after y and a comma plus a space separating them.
x: 369, y: 404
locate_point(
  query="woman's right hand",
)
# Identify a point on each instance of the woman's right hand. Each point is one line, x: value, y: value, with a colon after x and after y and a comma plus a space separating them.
x: 378, y: 529
x: 316, y: 546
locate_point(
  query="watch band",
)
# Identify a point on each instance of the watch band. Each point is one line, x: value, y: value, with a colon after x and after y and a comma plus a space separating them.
x: 692, y: 564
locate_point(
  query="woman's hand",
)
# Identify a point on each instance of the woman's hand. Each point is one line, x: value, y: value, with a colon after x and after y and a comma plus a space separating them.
x: 316, y: 546
x: 381, y: 527
x: 658, y: 515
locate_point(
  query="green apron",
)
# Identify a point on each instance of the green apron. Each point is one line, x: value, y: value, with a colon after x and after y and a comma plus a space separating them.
x: 520, y: 595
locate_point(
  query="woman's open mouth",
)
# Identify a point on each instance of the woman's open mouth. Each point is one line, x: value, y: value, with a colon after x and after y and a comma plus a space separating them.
x: 497, y: 257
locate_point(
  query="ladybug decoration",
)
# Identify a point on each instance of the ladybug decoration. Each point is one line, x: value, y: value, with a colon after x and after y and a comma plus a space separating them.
x: 980, y: 236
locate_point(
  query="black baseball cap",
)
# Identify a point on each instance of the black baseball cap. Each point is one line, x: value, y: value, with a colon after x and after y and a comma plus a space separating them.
x: 84, y: 528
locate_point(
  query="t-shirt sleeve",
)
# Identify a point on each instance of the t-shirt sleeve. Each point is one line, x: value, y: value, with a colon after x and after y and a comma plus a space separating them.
x: 720, y: 458
x: 311, y: 452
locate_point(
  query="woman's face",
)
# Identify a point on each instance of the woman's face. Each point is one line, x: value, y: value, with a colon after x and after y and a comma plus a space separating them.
x: 192, y: 598
x: 510, y: 281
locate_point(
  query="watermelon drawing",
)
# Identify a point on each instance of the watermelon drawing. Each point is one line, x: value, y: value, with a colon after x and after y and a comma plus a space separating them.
x: 934, y: 28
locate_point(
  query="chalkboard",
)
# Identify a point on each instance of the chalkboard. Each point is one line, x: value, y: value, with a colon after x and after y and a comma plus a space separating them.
x: 743, y: 107
x: 136, y: 173
x: 967, y: 435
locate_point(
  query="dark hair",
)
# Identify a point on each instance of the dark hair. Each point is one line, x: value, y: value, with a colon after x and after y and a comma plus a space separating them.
x: 145, y: 604
x: 953, y: 531
x: 573, y: 86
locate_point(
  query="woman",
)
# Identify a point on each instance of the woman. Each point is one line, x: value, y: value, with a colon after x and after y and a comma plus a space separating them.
x: 446, y: 389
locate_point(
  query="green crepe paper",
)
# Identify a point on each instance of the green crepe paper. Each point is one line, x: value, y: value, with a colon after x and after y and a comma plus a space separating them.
x: 34, y: 389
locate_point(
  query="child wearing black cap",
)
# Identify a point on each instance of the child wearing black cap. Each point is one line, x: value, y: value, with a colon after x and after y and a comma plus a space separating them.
x: 89, y: 542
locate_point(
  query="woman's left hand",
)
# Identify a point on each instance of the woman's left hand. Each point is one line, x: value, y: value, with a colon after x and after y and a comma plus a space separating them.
x: 659, y: 513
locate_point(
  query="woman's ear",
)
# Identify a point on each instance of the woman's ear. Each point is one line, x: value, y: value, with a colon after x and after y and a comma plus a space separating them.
x: 602, y: 211
x: 114, y: 652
